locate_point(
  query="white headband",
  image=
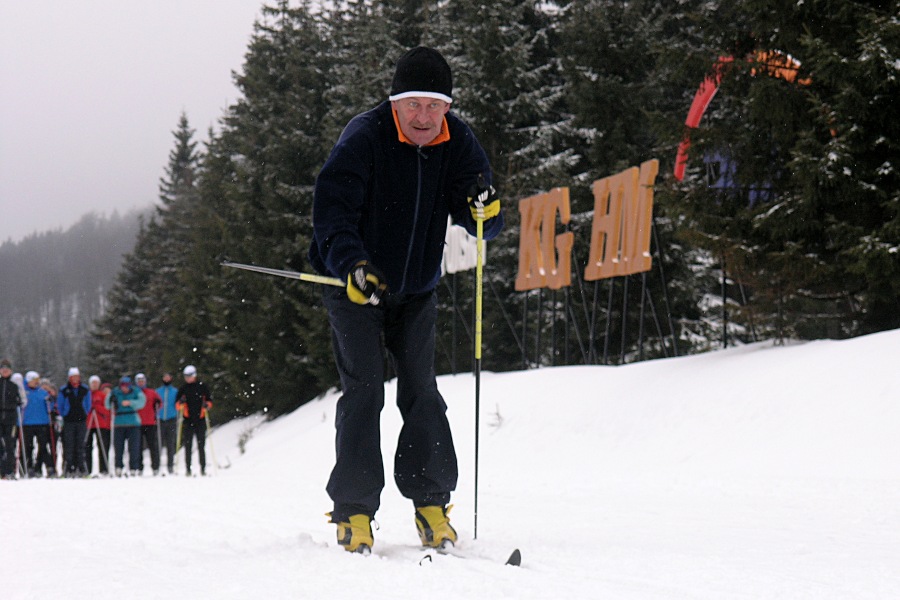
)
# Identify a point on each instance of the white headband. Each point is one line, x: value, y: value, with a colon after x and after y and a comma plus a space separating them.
x: 434, y: 95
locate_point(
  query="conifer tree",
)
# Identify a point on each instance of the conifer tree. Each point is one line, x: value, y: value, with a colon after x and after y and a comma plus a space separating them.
x: 264, y: 338
x: 141, y: 326
x: 117, y: 347
x: 806, y: 199
x: 363, y: 45
x: 509, y: 89
x: 169, y: 236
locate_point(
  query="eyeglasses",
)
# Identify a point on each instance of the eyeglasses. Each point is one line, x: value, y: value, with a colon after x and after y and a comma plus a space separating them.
x: 432, y: 106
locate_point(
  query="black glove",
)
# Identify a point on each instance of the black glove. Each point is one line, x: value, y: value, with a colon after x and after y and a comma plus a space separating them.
x: 483, y: 200
x: 365, y: 284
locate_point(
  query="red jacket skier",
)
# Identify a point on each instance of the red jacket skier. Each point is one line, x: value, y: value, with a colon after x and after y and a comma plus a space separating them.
x: 149, y: 431
x: 98, y: 426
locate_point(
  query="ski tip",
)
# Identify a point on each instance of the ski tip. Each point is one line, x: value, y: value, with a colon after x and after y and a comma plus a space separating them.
x: 515, y: 559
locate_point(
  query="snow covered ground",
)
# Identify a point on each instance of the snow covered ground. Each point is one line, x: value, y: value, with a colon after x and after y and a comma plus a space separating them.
x: 756, y: 472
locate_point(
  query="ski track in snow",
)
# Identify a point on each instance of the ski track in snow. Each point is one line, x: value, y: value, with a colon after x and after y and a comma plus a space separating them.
x: 756, y: 472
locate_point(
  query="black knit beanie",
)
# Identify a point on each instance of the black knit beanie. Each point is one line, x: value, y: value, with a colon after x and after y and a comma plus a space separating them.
x: 422, y: 72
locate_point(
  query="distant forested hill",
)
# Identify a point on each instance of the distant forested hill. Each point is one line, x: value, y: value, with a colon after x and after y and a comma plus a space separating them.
x: 52, y: 287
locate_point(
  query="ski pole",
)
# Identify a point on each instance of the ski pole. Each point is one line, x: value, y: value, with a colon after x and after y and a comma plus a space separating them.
x: 159, y: 419
x: 88, y: 460
x: 21, y: 464
x: 87, y: 432
x: 158, y: 437
x: 159, y: 440
x: 52, y: 439
x: 112, y: 438
x: 104, y: 456
x: 289, y: 274
x: 479, y: 275
x: 212, y: 449
x: 103, y: 459
x: 180, y: 426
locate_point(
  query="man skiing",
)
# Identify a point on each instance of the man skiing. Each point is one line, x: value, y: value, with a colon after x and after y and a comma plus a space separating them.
x: 380, y: 215
x: 98, y: 426
x: 149, y: 431
x: 36, y: 420
x: 124, y: 402
x: 74, y: 404
x: 167, y: 416
x: 10, y: 401
x: 193, y: 400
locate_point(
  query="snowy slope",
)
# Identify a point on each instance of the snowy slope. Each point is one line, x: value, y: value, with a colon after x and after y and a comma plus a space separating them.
x: 757, y: 472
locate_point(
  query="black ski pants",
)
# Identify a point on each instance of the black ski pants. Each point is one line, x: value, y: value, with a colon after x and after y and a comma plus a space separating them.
x: 194, y: 428
x: 103, y: 448
x: 131, y: 434
x: 151, y: 441
x: 8, y: 442
x: 425, y: 467
x: 41, y: 434
x: 169, y: 429
x: 73, y: 435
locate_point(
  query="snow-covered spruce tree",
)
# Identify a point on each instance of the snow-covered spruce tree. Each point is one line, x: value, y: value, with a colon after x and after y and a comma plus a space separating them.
x: 805, y: 201
x: 620, y: 99
x: 117, y: 346
x: 689, y: 38
x: 264, y: 339
x: 170, y: 236
x: 847, y: 167
x: 140, y: 329
x: 608, y: 59
x: 508, y: 87
x: 363, y: 45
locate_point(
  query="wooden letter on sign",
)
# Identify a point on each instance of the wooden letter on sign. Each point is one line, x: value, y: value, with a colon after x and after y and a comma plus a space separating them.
x: 539, y: 246
x: 623, y: 215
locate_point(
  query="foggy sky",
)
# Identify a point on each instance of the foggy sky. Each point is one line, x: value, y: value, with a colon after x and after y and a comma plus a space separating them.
x: 90, y: 92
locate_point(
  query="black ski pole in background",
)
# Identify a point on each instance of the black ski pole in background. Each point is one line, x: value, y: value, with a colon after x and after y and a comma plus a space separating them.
x: 103, y: 455
x: 113, y: 409
x: 52, y: 420
x: 21, y: 461
x: 158, y: 433
x: 212, y: 449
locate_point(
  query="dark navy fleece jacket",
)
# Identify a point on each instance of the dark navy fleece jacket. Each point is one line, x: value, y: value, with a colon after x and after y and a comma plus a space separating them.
x: 386, y: 201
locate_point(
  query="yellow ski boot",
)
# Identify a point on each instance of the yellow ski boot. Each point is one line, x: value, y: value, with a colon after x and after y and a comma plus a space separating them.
x: 434, y: 527
x: 355, y: 534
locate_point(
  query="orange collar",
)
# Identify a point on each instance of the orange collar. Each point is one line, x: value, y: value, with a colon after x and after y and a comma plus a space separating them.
x: 443, y: 136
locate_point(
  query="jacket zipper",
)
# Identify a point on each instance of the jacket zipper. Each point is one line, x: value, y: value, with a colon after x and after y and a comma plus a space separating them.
x: 412, y: 238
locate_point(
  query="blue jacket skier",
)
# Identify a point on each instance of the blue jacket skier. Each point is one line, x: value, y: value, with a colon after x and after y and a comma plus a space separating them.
x: 125, y: 401
x: 36, y: 421
x: 167, y: 415
x: 74, y: 404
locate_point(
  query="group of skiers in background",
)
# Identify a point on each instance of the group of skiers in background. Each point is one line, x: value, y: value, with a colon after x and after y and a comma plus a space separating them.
x: 36, y: 419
